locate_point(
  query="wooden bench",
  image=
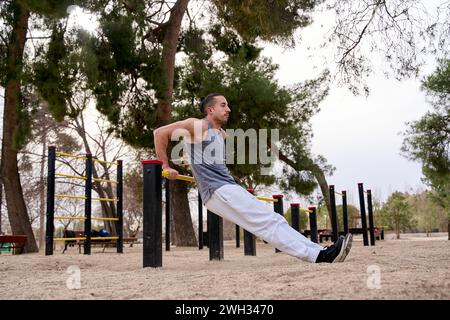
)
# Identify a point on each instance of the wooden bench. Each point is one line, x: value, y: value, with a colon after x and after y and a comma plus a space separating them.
x: 14, y: 242
x: 102, y: 243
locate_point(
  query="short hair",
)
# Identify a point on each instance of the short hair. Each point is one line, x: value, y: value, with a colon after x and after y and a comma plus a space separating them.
x: 207, y: 101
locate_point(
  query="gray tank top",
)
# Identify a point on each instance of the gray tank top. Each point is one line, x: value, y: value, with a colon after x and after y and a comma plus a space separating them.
x: 207, y: 160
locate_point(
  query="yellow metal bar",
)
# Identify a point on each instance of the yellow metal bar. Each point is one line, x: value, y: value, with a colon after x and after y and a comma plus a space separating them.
x: 68, y: 196
x: 103, y: 161
x: 70, y: 218
x: 267, y: 199
x: 69, y: 176
x: 179, y: 177
x: 62, y: 154
x: 105, y: 199
x: 306, y: 210
x: 105, y: 219
x: 104, y: 180
x: 338, y: 193
x: 68, y: 239
x: 84, y: 238
x: 180, y: 159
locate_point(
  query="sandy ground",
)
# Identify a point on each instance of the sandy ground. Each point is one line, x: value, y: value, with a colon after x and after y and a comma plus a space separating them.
x: 410, y: 268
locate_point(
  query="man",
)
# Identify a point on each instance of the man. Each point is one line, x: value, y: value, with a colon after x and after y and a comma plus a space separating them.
x: 220, y: 193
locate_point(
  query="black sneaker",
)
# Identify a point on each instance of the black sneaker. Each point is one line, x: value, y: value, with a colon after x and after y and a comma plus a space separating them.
x: 332, y: 253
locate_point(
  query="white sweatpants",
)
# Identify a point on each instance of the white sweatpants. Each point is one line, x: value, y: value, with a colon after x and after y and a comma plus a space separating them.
x: 234, y: 203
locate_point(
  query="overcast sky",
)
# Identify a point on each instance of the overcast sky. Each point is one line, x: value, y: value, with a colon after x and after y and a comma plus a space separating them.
x: 358, y: 135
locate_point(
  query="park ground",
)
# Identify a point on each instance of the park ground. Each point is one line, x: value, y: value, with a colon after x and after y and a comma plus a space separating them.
x: 414, y: 267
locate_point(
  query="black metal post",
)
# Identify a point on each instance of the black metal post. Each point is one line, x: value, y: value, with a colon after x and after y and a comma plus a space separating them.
x: 334, y: 220
x: 313, y: 224
x: 215, y: 236
x: 238, y: 237
x: 362, y: 207
x: 119, y: 206
x: 168, y: 209
x: 295, y: 217
x: 200, y: 222
x: 152, y: 219
x: 249, y: 238
x: 370, y: 213
x: 50, y: 227
x: 88, y: 204
x: 344, y: 211
x: 278, y: 208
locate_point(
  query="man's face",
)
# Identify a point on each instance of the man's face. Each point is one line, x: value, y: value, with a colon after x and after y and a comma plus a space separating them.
x: 220, y: 110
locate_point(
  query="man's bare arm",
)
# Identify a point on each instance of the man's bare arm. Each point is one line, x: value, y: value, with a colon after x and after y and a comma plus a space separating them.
x: 162, y: 135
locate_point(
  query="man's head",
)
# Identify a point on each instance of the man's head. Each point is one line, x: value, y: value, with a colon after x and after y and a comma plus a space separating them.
x: 215, y: 106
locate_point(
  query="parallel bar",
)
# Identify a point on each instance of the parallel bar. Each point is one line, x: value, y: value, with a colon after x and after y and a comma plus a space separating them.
x: 238, y: 236
x: 334, y: 220
x: 103, y: 161
x: 84, y: 238
x: 165, y: 174
x: 152, y: 218
x: 295, y: 217
x: 278, y: 208
x: 168, y: 209
x: 62, y: 154
x: 266, y: 199
x: 106, y: 180
x: 305, y: 210
x: 249, y: 239
x: 84, y: 218
x: 105, y: 199
x: 344, y: 211
x: 69, y: 196
x: 87, y: 204
x: 362, y: 207
x: 49, y: 230
x: 69, y: 176
x: 69, y: 218
x: 200, y: 222
x: 69, y: 239
x: 104, y: 238
x: 106, y: 219
x: 313, y: 224
x: 215, y: 236
x: 370, y: 213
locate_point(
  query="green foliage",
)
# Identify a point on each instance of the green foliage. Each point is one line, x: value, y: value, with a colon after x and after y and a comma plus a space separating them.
x: 257, y: 102
x: 50, y: 8
x: 303, y: 218
x: 52, y: 75
x: 428, y: 139
x: 266, y: 20
x: 353, y: 217
x: 396, y: 213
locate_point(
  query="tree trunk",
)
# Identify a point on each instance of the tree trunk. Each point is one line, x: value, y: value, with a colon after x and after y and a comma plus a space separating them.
x: 318, y: 174
x: 170, y: 42
x: 1, y: 202
x: 42, y: 193
x: 448, y: 229
x: 182, y: 221
x: 320, y: 177
x: 17, y: 210
x: 397, y: 226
